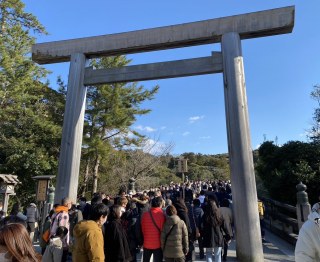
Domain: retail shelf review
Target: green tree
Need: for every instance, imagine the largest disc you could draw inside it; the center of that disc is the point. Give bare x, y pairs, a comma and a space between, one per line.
30, 112
111, 111
314, 133
281, 168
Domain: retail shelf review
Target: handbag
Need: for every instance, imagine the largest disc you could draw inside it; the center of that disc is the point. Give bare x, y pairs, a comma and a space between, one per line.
197, 232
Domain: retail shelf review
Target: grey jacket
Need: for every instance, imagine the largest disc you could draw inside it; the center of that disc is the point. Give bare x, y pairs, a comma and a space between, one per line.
177, 244
32, 214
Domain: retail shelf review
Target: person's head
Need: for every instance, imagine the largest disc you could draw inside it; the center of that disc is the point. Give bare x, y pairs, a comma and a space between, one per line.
100, 213
122, 201
196, 202
50, 214
115, 212
96, 200
66, 201
171, 210
103, 195
106, 201
157, 193
61, 232
225, 203
122, 192
82, 200
55, 206
16, 239
212, 214
180, 205
156, 202
33, 205
15, 209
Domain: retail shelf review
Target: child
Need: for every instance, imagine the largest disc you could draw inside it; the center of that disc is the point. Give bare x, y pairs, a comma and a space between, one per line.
54, 250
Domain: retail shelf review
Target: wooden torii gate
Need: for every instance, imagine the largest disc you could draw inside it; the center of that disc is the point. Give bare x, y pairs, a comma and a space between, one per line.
227, 30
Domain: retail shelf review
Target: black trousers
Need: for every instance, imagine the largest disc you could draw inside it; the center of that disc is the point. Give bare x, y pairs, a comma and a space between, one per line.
157, 254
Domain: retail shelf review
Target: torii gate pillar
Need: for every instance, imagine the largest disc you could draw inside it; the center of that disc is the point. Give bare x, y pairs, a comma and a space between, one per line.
72, 131
244, 194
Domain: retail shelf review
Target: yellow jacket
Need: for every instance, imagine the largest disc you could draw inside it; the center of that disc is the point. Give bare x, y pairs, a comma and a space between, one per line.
88, 242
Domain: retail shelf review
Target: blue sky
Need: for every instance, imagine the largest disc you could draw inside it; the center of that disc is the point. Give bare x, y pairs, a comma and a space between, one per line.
280, 70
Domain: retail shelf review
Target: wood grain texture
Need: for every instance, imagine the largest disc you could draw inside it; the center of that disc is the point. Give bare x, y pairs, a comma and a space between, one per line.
179, 68
251, 25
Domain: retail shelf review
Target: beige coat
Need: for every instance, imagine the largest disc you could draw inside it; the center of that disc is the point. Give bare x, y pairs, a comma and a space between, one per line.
177, 244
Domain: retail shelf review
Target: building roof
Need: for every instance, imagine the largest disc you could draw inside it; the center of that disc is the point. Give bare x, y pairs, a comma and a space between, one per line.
9, 179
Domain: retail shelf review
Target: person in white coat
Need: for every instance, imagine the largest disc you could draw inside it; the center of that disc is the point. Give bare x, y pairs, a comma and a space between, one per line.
308, 244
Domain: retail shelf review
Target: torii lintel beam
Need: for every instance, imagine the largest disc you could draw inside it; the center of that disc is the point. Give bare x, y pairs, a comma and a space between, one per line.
251, 25
188, 67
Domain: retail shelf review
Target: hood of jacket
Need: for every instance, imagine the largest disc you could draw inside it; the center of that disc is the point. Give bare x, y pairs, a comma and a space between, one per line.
84, 226
174, 219
314, 217
61, 208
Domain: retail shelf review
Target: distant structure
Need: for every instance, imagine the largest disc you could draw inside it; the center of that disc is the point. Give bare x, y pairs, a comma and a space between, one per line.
229, 31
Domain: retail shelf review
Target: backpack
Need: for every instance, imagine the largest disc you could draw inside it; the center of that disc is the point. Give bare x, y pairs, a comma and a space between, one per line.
46, 235
54, 224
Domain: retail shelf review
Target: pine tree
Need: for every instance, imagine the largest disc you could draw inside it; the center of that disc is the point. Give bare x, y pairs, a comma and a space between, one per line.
30, 112
111, 111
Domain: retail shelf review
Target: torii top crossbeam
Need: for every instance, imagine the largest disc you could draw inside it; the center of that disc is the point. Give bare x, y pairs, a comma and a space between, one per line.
251, 25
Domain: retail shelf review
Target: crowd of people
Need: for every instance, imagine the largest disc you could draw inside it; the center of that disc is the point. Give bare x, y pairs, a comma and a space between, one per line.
162, 222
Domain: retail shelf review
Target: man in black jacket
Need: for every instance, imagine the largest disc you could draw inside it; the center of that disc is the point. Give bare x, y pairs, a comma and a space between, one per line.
198, 213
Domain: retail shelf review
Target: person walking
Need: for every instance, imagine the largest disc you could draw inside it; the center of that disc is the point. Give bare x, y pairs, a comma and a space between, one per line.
43, 241
88, 244
61, 218
115, 238
15, 211
151, 225
182, 212
32, 219
212, 228
308, 243
174, 237
54, 250
197, 214
227, 216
